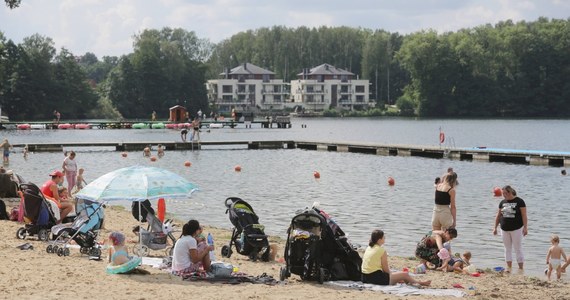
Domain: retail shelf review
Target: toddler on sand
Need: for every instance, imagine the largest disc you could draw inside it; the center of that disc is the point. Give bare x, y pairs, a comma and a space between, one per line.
555, 252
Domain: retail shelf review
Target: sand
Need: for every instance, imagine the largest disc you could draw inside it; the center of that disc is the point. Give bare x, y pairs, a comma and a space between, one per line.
35, 274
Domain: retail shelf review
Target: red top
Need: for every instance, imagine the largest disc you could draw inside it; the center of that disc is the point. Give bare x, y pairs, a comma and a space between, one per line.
46, 188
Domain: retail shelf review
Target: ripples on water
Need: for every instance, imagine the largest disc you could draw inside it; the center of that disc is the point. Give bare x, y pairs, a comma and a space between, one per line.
353, 187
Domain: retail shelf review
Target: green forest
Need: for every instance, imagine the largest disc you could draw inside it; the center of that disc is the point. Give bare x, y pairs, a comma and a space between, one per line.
503, 70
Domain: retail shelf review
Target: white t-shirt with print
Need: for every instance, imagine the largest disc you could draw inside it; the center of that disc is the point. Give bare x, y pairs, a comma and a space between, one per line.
181, 253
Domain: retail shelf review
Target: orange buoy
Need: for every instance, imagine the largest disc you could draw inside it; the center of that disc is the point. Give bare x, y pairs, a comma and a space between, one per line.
161, 209
317, 174
124, 154
237, 168
497, 192
153, 158
187, 164
391, 181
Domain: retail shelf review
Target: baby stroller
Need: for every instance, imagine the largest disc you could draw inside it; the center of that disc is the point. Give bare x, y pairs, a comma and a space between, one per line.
339, 256
156, 235
84, 231
303, 249
40, 214
248, 235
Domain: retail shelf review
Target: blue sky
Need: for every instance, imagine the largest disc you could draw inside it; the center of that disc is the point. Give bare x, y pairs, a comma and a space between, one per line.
106, 27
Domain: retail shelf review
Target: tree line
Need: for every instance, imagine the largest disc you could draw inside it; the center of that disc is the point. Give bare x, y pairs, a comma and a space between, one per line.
508, 69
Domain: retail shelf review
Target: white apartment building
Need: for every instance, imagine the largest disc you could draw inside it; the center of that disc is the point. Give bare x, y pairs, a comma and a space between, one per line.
325, 87
247, 87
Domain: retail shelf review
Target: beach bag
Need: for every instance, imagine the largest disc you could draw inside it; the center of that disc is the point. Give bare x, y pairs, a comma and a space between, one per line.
221, 270
14, 213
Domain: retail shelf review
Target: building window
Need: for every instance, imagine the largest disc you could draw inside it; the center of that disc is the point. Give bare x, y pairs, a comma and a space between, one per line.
227, 89
310, 89
277, 98
276, 88
265, 77
241, 98
241, 88
344, 88
359, 89
227, 98
343, 78
252, 88
359, 98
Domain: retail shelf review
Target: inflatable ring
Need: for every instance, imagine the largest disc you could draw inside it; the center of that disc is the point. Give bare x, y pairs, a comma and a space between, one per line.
130, 265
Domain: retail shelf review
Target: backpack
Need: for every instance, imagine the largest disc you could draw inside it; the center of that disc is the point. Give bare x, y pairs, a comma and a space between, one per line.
14, 213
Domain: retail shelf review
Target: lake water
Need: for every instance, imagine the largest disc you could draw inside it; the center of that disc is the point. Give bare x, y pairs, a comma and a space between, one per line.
353, 187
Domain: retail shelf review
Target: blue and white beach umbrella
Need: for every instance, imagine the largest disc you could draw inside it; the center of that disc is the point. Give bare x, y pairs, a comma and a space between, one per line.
137, 183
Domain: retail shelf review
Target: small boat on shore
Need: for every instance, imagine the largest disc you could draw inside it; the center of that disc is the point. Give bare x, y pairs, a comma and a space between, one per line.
216, 125
38, 126
157, 126
65, 126
23, 126
82, 126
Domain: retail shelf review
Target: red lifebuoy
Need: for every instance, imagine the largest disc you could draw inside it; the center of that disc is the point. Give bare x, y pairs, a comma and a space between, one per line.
441, 137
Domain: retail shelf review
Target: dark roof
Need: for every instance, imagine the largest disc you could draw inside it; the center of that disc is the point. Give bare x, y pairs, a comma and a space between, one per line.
326, 69
247, 69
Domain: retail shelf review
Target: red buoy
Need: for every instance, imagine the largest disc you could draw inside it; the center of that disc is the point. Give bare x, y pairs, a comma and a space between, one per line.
317, 174
237, 168
187, 164
153, 158
124, 154
391, 181
497, 192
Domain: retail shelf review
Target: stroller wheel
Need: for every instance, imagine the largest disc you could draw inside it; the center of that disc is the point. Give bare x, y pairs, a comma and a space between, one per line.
141, 250
21, 233
60, 252
253, 256
283, 273
226, 251
84, 250
49, 249
66, 252
55, 249
94, 252
43, 235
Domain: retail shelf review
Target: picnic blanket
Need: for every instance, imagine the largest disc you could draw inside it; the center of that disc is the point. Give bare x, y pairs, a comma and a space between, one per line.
398, 289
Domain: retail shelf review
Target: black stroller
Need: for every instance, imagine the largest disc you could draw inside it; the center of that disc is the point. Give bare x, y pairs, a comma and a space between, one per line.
339, 256
248, 235
303, 249
39, 213
156, 235
84, 231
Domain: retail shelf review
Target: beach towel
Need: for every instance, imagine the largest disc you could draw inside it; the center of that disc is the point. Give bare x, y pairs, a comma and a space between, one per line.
398, 289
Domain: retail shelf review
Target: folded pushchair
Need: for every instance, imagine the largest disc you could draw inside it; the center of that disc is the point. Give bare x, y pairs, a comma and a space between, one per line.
304, 247
40, 214
339, 256
84, 231
248, 235
156, 235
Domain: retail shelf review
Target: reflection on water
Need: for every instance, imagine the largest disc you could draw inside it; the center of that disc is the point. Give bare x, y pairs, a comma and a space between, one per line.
353, 189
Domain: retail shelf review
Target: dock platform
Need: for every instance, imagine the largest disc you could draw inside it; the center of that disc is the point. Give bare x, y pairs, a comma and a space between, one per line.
529, 157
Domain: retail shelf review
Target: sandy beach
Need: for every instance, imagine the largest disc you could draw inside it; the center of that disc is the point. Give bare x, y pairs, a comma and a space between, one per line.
35, 274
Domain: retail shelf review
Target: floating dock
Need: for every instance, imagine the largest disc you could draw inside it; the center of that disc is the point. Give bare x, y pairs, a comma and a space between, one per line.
529, 157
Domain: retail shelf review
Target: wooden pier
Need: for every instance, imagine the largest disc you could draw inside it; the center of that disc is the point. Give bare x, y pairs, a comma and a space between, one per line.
277, 122
529, 157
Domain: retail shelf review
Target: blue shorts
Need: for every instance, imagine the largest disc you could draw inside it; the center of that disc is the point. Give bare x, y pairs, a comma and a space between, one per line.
6, 153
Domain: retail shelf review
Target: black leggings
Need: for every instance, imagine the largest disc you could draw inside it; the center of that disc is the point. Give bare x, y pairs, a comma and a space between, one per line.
379, 277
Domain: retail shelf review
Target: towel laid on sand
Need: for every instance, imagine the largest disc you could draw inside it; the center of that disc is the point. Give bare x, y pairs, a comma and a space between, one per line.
398, 289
